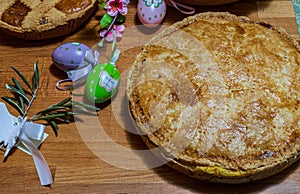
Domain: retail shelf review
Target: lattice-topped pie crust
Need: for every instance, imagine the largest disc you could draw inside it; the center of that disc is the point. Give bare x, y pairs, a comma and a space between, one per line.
41, 19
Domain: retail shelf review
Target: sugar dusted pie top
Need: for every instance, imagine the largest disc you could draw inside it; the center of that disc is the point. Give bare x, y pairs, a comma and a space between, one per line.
220, 95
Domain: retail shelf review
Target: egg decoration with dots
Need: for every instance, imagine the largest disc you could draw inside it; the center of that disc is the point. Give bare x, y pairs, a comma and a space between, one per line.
79, 61
102, 82
70, 55
151, 12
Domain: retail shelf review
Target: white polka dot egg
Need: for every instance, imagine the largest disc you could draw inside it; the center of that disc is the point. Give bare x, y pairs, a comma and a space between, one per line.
151, 12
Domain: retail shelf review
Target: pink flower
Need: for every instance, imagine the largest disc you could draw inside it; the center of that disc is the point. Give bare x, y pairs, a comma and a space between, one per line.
117, 6
109, 37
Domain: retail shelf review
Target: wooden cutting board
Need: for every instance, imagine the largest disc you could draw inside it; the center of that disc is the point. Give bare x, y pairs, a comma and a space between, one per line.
76, 168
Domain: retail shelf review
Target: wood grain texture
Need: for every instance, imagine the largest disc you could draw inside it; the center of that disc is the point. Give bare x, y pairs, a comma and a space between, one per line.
272, 9
75, 168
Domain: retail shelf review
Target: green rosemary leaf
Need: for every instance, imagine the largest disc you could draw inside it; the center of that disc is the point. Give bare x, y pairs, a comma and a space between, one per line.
69, 104
52, 108
58, 106
10, 87
63, 120
53, 116
86, 105
64, 101
23, 78
76, 94
36, 76
15, 104
21, 103
53, 125
18, 85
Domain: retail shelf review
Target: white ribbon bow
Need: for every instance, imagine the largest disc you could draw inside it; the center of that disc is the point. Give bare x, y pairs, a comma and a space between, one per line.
12, 128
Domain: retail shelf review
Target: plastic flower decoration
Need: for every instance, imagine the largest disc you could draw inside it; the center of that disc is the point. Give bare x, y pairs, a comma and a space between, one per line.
114, 17
118, 30
114, 7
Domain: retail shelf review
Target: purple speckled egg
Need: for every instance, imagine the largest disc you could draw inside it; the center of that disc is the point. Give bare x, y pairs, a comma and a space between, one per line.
151, 12
69, 55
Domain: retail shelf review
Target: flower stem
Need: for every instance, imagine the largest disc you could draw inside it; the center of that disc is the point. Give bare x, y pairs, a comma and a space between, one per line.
110, 26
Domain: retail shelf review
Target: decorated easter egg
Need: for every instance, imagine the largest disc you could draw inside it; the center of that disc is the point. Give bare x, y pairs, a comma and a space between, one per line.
102, 83
151, 12
70, 55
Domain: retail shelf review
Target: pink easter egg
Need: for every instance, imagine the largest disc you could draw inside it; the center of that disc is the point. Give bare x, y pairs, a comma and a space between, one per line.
151, 12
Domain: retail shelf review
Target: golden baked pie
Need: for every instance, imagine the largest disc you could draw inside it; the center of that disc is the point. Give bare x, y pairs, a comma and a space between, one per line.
219, 95
41, 19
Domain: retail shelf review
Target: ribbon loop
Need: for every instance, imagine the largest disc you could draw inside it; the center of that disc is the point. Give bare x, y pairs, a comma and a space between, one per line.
39, 161
179, 6
77, 74
34, 131
63, 87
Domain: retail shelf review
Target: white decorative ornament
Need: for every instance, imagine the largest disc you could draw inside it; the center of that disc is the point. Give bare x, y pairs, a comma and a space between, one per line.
107, 82
29, 135
10, 129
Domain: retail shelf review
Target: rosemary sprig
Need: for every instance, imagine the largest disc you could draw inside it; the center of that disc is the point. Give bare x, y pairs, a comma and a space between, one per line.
61, 112
19, 91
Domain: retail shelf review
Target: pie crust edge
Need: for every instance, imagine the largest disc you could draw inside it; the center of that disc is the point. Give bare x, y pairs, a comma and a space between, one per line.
211, 173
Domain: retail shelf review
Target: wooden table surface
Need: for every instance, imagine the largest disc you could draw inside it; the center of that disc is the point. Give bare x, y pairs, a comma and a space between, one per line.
78, 169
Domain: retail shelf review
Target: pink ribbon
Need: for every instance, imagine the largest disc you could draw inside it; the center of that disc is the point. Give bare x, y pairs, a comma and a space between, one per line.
179, 6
